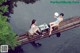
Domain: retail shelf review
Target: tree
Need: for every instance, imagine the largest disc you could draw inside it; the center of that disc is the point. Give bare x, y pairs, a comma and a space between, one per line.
7, 36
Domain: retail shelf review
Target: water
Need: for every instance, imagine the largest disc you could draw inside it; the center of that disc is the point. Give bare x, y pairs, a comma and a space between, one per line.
43, 12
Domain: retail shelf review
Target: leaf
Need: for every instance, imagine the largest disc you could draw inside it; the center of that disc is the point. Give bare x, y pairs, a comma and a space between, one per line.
7, 36
4, 8
1, 1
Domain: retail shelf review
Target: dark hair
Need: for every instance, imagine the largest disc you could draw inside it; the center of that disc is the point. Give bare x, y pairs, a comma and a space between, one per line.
33, 21
62, 14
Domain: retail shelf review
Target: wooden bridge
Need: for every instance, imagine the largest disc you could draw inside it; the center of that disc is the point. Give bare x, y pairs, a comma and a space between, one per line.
67, 24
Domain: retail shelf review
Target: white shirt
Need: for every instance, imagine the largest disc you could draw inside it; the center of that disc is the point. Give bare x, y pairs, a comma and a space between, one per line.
57, 21
33, 29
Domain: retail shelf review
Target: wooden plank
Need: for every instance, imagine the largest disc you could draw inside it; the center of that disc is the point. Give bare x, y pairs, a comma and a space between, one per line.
65, 25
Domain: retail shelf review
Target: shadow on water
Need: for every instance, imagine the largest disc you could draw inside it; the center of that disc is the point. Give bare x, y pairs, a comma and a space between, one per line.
36, 45
18, 49
58, 34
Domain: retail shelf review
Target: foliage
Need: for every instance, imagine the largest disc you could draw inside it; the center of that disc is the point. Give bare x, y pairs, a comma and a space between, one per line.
1, 1
7, 36
4, 8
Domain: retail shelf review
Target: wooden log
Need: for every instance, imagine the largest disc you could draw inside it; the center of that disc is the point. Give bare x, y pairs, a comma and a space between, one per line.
67, 24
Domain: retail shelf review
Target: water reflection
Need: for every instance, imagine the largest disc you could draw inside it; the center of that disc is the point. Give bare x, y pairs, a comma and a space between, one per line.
58, 34
36, 45
18, 49
26, 1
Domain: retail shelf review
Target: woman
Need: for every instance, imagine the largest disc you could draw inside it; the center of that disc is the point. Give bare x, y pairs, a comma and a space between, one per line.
33, 28
56, 23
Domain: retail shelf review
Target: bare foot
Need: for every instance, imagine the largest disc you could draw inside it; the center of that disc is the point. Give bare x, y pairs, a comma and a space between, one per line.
50, 33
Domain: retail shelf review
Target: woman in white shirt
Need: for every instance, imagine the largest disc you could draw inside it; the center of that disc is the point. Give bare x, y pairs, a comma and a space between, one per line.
56, 23
33, 28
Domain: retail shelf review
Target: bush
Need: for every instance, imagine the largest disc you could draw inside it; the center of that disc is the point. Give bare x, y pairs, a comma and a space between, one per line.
4, 8
1, 1
7, 36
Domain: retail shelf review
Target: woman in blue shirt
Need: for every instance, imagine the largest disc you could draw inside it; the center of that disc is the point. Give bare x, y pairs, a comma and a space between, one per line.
56, 23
